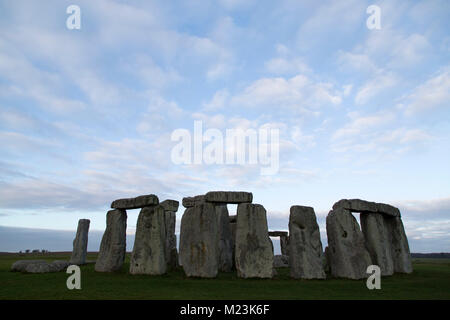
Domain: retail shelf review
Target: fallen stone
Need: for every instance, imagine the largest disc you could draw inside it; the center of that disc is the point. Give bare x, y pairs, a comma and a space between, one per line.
305, 247
225, 239
348, 256
61, 265
378, 242
280, 261
254, 255
199, 241
80, 243
233, 197
112, 248
148, 256
21, 265
189, 202
135, 203
399, 245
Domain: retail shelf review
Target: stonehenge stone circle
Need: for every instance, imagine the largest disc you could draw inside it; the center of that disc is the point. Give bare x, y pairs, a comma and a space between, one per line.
135, 203
305, 246
170, 208
112, 248
232, 197
149, 251
378, 243
348, 255
254, 256
225, 239
199, 241
80, 243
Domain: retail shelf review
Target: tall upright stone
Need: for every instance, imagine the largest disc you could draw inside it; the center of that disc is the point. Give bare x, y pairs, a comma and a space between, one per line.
233, 225
170, 208
254, 256
199, 241
348, 255
378, 243
225, 239
305, 247
399, 245
148, 256
80, 243
113, 246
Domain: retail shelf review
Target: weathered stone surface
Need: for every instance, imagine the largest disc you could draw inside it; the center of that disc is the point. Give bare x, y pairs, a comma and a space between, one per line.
80, 243
199, 241
378, 242
234, 197
280, 261
225, 239
148, 256
305, 247
21, 265
363, 206
233, 226
112, 248
254, 255
399, 245
171, 239
170, 205
39, 266
348, 256
135, 203
189, 202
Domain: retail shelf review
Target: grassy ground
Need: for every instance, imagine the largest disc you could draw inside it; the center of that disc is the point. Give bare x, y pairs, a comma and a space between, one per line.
430, 280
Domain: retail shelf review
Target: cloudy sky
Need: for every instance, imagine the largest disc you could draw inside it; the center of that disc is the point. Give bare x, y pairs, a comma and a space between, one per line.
86, 116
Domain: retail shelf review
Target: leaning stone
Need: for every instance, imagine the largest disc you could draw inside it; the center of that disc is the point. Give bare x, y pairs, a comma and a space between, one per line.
254, 255
80, 243
189, 202
21, 265
399, 245
305, 247
348, 255
280, 261
225, 239
112, 248
199, 241
234, 197
377, 240
135, 203
148, 256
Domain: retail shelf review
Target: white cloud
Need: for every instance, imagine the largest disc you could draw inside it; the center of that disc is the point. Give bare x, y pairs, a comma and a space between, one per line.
218, 101
375, 86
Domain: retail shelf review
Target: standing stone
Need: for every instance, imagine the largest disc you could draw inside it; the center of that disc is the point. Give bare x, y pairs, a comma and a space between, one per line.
284, 245
80, 243
399, 245
348, 255
170, 208
148, 256
378, 241
254, 256
225, 239
233, 225
199, 241
306, 256
112, 248
326, 259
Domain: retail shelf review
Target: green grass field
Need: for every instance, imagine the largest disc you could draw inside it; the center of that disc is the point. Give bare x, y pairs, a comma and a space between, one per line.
430, 280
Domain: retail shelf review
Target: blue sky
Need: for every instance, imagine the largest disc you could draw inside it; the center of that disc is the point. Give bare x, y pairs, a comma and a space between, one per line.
86, 116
